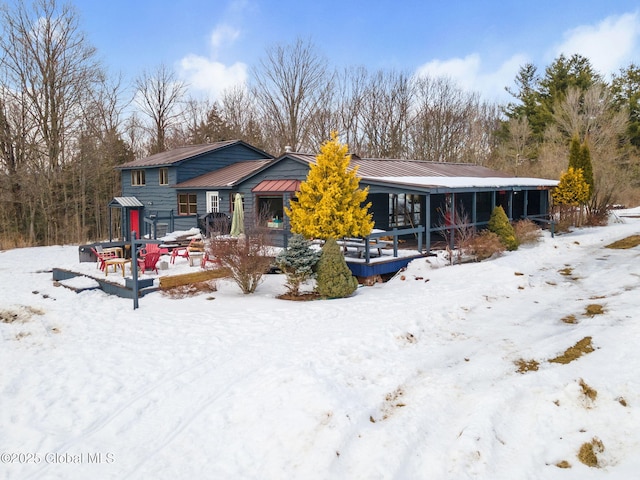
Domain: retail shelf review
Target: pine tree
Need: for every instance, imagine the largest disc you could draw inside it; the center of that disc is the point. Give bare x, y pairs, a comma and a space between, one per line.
334, 280
580, 159
330, 203
587, 167
574, 152
297, 262
572, 190
500, 225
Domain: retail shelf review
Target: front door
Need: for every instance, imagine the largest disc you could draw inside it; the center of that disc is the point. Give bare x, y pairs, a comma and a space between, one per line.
134, 223
213, 202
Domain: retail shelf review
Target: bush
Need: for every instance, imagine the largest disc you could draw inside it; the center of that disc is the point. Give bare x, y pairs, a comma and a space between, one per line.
526, 232
247, 259
297, 262
485, 245
334, 278
499, 224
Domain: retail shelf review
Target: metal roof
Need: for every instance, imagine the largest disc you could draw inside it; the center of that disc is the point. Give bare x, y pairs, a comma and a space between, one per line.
375, 167
125, 202
182, 153
227, 176
277, 186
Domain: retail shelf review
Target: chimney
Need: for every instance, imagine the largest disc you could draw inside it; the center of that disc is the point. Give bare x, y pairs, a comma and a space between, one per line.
287, 149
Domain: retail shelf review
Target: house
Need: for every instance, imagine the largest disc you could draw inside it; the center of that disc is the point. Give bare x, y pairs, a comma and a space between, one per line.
410, 198
171, 190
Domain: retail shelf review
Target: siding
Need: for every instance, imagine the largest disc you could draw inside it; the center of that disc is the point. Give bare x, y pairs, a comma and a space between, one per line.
284, 169
189, 169
163, 198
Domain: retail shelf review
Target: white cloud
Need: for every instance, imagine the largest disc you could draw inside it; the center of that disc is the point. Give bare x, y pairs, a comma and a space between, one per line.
208, 75
470, 75
211, 77
223, 35
610, 45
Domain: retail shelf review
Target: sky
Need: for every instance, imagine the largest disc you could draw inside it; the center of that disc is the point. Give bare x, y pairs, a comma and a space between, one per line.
481, 45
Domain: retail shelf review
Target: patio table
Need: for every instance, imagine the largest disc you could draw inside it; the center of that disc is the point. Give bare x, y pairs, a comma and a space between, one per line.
122, 262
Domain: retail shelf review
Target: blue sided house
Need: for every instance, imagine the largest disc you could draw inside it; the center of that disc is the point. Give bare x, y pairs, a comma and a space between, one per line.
413, 200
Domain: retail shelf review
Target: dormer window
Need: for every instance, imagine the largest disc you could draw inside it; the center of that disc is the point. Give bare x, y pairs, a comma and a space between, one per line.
137, 178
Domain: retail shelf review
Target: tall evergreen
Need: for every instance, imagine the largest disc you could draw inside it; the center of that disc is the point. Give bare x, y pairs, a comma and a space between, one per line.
587, 167
580, 159
330, 203
574, 152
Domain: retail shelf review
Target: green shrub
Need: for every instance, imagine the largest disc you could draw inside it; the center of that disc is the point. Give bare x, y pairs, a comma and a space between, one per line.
297, 262
499, 224
334, 279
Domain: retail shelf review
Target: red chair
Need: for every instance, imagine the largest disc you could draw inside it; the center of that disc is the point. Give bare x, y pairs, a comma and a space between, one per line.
207, 259
179, 252
149, 262
153, 247
101, 256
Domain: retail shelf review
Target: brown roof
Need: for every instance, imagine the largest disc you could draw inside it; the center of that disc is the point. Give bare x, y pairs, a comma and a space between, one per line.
227, 176
277, 186
179, 154
374, 167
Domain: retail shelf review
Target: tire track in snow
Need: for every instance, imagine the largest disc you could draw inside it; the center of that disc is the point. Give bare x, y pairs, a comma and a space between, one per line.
173, 381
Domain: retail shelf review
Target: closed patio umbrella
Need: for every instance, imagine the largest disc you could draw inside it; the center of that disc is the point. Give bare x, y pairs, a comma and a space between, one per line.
237, 221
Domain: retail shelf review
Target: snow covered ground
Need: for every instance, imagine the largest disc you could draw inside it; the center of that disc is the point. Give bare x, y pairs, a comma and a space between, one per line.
411, 379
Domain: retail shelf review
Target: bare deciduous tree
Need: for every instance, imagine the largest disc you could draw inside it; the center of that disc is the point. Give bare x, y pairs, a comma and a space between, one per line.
159, 94
289, 87
240, 113
449, 124
48, 68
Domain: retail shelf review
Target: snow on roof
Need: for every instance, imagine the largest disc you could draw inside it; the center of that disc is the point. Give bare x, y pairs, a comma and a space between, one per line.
466, 182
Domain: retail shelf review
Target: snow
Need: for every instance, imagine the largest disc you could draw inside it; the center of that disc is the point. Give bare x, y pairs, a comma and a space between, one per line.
410, 379
468, 182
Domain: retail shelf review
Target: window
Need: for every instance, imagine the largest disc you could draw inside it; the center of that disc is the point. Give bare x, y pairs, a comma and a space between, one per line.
187, 204
404, 210
163, 176
137, 178
232, 201
271, 209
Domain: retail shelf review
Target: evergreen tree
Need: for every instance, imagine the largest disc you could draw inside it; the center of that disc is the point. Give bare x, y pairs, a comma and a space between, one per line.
500, 225
625, 87
580, 159
572, 190
330, 203
334, 277
574, 152
297, 262
587, 167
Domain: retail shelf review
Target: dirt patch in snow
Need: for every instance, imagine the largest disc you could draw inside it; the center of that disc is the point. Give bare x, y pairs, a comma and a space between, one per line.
18, 314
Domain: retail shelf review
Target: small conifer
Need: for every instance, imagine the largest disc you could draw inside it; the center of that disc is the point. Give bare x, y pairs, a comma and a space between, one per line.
334, 279
297, 262
500, 225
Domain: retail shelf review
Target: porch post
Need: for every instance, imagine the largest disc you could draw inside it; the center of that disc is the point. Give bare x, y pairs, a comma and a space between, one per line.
510, 205
427, 222
474, 208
